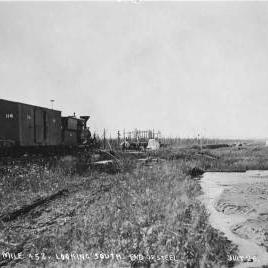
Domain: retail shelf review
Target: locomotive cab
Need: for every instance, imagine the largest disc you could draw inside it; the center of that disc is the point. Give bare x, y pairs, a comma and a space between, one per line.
83, 131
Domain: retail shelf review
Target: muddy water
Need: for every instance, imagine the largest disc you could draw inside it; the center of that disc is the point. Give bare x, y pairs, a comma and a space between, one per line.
213, 184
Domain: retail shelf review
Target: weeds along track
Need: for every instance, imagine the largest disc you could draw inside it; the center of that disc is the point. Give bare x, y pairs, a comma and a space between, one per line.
24, 225
41, 203
151, 206
27, 208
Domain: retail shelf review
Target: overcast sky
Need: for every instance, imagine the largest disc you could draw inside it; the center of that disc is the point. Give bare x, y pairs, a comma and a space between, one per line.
182, 68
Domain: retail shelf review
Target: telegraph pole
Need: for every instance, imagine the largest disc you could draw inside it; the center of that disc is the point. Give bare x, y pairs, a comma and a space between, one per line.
118, 138
104, 139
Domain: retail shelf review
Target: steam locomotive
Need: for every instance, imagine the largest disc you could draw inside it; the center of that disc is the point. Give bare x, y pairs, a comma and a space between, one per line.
28, 126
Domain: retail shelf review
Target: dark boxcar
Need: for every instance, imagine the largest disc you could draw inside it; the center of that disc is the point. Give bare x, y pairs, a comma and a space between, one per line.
69, 130
69, 137
29, 125
26, 124
9, 121
54, 127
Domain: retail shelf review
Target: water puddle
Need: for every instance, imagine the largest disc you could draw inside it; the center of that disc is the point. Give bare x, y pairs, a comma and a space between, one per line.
213, 184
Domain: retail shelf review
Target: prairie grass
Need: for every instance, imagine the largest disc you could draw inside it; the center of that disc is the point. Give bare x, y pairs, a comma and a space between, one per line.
149, 208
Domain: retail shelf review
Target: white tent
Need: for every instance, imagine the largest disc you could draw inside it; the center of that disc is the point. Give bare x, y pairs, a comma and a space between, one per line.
125, 144
153, 144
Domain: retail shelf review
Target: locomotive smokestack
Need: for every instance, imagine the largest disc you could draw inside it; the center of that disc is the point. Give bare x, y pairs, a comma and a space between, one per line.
85, 118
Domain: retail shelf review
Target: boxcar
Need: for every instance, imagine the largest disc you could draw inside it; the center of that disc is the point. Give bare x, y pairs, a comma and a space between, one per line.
70, 126
69, 137
29, 125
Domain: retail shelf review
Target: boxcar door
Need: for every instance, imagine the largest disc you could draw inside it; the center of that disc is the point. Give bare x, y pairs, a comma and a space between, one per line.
44, 113
38, 127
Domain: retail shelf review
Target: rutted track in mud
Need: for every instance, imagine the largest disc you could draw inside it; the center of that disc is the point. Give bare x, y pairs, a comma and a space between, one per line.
27, 208
47, 213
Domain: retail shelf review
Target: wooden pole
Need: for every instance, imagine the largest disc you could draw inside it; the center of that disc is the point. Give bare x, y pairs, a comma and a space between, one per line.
104, 139
118, 138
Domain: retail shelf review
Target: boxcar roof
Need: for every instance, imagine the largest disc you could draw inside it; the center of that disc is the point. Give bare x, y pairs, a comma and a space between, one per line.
31, 105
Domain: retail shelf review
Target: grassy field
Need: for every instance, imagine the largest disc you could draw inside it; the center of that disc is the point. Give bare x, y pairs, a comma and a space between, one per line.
149, 214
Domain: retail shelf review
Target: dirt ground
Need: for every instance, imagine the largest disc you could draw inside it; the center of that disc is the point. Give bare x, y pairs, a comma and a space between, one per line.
251, 201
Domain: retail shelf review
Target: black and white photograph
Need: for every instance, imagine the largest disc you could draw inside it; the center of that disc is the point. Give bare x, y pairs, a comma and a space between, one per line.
134, 134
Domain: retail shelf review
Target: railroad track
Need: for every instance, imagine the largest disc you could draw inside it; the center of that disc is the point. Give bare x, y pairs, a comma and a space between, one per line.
41, 212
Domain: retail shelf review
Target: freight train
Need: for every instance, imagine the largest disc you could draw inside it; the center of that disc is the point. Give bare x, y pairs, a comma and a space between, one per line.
28, 126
